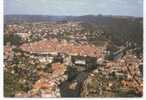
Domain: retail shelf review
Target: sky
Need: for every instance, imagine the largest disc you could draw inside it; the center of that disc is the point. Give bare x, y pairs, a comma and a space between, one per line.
74, 7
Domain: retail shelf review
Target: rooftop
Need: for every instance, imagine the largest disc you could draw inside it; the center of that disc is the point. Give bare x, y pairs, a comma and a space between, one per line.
62, 47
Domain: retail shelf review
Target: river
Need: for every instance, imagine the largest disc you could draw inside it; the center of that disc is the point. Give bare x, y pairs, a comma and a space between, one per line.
67, 92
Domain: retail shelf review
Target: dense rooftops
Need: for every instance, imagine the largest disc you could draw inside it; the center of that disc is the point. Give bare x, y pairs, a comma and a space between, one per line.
54, 46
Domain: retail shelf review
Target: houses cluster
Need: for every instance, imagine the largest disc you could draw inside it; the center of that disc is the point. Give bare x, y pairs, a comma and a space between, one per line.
122, 77
44, 29
44, 63
8, 53
42, 73
49, 51
127, 71
54, 46
48, 60
47, 85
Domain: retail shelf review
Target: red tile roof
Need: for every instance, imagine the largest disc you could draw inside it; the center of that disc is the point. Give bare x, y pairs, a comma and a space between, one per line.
56, 46
56, 66
7, 51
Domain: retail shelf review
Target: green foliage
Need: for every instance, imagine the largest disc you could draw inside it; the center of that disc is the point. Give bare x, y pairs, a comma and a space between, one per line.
48, 68
17, 50
125, 93
117, 29
11, 85
109, 56
33, 38
66, 33
13, 39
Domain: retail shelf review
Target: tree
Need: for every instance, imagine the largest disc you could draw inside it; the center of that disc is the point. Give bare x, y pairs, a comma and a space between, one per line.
14, 39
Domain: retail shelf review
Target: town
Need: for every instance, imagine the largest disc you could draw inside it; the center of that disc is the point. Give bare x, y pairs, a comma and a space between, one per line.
66, 59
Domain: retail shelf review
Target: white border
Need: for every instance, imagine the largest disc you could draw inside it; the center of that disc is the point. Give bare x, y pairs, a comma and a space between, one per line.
1, 49
144, 45
1, 64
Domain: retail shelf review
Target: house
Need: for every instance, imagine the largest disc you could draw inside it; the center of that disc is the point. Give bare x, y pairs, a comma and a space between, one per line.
24, 36
46, 59
54, 47
84, 62
8, 53
59, 58
78, 60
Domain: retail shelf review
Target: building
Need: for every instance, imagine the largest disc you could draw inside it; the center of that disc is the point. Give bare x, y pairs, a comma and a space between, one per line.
54, 46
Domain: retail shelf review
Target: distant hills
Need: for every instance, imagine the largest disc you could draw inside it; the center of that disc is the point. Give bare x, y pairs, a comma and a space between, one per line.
46, 18
31, 18
120, 28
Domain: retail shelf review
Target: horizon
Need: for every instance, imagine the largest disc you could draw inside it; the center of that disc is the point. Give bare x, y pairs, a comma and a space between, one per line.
132, 8
72, 15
